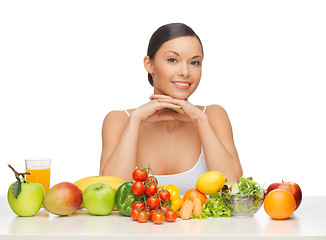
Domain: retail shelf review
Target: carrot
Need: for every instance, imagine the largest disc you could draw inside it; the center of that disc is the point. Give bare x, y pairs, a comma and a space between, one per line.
186, 210
197, 207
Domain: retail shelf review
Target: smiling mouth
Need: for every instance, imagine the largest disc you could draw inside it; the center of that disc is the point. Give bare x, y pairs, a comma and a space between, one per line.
181, 84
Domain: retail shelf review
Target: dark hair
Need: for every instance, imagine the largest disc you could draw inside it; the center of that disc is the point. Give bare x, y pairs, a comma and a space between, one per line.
164, 34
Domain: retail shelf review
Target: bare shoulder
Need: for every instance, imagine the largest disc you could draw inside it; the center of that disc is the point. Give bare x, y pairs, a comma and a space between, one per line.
218, 117
215, 110
115, 119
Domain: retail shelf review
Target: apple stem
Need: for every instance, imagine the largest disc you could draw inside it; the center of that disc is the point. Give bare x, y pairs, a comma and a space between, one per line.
17, 174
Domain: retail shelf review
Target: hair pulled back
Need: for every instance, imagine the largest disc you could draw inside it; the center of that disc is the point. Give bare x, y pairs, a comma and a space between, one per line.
164, 34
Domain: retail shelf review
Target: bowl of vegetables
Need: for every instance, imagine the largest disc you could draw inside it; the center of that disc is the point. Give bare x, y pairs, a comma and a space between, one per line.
243, 199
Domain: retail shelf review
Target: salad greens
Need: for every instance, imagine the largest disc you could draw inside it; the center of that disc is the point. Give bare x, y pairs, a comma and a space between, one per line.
245, 186
215, 207
243, 197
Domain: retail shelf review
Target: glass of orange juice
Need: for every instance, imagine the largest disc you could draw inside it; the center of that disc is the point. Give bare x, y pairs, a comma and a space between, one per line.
39, 169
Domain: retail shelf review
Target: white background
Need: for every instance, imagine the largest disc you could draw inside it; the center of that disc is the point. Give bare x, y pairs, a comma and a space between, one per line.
65, 64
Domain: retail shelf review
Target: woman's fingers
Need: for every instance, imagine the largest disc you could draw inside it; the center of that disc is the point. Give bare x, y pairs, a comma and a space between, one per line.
191, 111
163, 105
168, 99
158, 110
171, 100
158, 96
185, 110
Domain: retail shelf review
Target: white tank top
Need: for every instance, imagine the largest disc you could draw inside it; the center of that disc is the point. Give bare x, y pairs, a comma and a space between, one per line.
185, 180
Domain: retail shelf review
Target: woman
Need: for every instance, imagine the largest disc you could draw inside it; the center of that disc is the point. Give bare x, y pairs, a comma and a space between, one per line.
179, 140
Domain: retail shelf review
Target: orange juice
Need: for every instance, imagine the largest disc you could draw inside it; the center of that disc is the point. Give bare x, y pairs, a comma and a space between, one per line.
41, 176
40, 171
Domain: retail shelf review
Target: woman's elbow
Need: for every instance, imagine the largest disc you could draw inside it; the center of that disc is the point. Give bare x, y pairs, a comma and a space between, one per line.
235, 174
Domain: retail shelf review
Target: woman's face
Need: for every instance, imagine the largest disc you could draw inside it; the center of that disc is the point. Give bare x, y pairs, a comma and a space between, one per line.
176, 67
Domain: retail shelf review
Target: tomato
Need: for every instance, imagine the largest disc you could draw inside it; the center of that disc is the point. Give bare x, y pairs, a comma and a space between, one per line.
157, 218
151, 214
139, 175
153, 202
162, 208
138, 188
134, 214
138, 205
154, 211
165, 195
151, 179
142, 217
170, 215
151, 190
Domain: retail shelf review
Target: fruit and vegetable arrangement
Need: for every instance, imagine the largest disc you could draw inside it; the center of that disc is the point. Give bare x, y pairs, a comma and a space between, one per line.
144, 200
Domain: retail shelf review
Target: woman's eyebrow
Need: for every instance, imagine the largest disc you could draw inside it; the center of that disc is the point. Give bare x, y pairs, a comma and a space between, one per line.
198, 56
172, 52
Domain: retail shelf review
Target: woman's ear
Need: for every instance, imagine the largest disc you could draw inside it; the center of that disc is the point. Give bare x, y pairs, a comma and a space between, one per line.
148, 64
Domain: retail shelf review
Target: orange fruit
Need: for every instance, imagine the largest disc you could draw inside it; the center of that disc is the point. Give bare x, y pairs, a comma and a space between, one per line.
191, 194
279, 204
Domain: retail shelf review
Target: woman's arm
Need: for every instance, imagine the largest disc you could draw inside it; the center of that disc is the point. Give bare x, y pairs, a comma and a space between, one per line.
217, 140
120, 137
215, 134
119, 145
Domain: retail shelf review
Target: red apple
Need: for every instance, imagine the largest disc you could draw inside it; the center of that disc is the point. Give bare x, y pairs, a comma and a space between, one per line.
291, 187
63, 199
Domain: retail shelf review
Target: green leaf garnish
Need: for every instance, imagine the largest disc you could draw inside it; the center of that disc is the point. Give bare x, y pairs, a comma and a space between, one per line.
16, 189
214, 207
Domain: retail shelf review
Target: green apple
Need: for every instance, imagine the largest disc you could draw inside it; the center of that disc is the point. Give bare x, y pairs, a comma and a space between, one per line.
99, 199
25, 200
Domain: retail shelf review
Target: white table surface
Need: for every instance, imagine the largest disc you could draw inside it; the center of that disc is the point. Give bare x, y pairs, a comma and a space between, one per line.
308, 222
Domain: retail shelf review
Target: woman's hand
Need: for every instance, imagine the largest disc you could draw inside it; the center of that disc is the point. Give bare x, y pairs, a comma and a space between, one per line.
189, 111
156, 110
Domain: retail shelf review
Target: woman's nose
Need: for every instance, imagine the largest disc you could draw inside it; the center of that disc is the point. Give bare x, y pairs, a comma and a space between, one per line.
184, 70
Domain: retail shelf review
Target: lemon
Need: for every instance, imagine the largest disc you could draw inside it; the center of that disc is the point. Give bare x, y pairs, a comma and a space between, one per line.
210, 182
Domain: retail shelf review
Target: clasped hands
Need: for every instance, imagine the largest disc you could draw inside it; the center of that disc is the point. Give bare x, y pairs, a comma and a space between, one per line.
162, 107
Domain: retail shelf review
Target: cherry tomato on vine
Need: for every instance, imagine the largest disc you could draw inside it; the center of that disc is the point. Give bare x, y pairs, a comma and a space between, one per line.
138, 205
165, 195
152, 212
151, 179
153, 202
139, 175
134, 214
162, 208
151, 190
170, 215
138, 188
157, 218
142, 217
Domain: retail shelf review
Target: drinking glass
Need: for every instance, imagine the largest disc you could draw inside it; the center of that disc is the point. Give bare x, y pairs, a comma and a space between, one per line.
39, 169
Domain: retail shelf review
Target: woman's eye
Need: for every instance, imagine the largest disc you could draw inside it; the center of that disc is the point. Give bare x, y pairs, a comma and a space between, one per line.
172, 60
195, 63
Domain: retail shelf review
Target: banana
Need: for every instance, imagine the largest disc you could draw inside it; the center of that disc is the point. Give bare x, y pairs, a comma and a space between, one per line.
112, 181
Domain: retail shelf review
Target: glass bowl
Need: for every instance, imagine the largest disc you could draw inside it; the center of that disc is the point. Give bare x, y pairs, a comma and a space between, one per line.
243, 205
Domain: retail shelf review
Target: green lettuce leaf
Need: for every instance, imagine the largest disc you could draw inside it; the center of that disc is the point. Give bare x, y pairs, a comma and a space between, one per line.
214, 207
